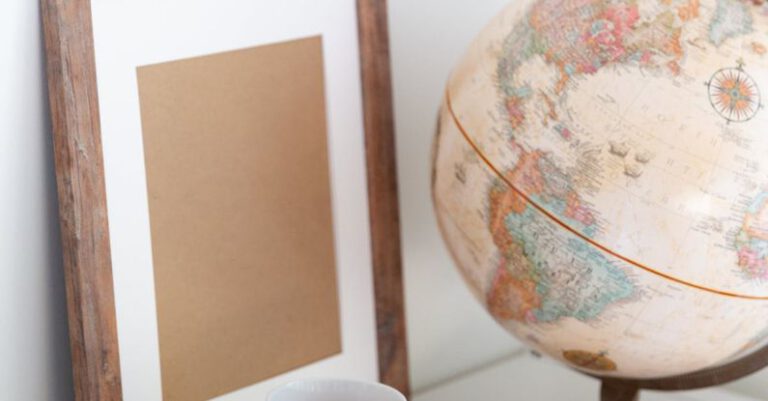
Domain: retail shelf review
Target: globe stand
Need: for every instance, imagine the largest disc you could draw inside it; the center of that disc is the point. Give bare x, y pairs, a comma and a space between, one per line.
619, 389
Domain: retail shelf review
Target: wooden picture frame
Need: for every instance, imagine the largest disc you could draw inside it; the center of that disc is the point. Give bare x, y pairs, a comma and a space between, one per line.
80, 174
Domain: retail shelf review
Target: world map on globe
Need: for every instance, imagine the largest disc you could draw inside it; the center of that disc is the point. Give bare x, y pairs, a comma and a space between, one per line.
600, 178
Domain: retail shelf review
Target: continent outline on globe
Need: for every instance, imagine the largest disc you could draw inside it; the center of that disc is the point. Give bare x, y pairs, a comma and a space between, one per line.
563, 110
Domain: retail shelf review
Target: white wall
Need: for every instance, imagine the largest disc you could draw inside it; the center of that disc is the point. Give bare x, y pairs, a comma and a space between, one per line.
34, 353
449, 333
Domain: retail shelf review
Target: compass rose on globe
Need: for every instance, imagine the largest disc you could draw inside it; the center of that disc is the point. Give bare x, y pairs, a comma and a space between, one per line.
734, 94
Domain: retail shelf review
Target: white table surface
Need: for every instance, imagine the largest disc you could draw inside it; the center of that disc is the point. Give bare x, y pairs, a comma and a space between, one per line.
528, 378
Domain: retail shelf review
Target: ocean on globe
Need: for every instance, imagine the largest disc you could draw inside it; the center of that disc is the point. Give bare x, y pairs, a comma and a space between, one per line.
601, 180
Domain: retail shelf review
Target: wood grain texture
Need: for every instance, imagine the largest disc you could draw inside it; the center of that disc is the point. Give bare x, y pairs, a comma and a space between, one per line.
383, 193
82, 199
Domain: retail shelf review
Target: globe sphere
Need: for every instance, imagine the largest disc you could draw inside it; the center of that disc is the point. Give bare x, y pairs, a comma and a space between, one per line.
600, 178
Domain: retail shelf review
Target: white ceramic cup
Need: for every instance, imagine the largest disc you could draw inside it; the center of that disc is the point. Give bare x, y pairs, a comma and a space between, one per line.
334, 390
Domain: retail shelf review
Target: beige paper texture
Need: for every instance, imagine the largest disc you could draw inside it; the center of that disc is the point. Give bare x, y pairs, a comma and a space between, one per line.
240, 212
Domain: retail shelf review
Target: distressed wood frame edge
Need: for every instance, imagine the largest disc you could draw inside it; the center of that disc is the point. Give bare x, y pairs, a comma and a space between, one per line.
82, 199
71, 72
383, 193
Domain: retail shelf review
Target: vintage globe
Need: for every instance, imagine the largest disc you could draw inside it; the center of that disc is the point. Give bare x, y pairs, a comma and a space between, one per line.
601, 179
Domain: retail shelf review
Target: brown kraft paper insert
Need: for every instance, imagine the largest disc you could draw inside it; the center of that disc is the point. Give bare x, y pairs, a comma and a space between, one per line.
240, 212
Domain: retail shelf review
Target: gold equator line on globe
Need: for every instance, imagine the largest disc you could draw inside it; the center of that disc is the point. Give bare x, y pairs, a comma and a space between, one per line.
555, 219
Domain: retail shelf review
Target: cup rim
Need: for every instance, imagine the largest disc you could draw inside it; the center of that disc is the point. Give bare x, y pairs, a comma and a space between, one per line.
379, 385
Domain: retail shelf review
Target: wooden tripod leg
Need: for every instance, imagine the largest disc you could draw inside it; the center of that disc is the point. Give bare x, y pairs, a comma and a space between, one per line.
612, 390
